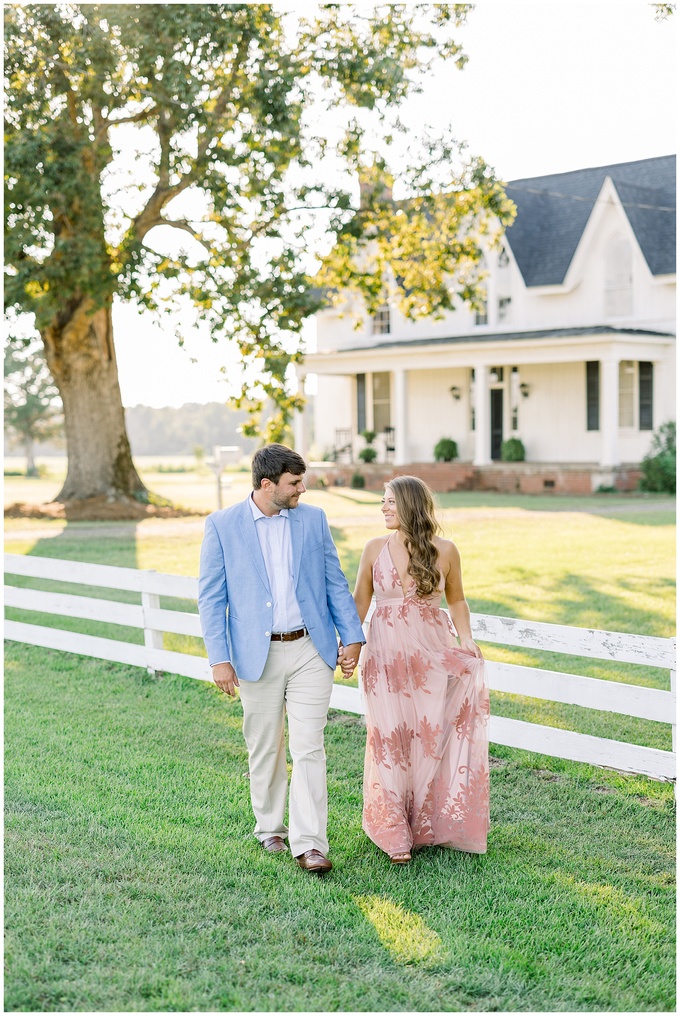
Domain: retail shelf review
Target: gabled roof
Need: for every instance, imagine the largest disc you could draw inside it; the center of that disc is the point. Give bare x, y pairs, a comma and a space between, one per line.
552, 212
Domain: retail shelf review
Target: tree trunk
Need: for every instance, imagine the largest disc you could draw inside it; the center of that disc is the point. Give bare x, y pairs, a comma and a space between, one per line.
30, 458
81, 356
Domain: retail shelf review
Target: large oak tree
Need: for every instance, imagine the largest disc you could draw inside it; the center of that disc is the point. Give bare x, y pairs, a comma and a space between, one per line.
222, 104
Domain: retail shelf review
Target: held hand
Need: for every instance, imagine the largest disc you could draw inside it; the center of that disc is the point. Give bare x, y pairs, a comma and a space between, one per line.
349, 657
470, 646
225, 678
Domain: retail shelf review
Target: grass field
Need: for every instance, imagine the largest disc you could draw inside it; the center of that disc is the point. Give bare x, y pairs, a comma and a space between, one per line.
133, 881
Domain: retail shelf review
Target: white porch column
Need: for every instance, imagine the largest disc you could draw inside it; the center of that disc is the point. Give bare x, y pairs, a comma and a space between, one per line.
609, 413
482, 416
400, 423
300, 423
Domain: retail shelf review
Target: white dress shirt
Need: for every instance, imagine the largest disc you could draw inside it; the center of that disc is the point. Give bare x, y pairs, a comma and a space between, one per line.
273, 532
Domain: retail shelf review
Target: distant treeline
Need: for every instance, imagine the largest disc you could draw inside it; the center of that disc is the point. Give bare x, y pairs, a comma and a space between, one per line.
170, 431
180, 431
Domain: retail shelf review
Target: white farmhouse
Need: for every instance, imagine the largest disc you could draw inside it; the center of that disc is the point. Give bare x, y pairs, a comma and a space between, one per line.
574, 353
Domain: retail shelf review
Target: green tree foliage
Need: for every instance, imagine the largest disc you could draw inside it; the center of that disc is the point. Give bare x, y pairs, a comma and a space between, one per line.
221, 124
659, 464
32, 405
663, 11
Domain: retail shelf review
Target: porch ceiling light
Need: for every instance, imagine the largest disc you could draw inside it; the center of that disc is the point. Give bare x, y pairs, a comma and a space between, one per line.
524, 390
455, 392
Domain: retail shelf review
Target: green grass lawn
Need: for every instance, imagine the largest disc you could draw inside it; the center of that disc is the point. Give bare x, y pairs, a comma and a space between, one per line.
134, 883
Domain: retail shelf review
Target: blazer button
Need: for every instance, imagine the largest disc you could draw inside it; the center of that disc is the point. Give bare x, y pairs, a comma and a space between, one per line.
269, 604
267, 633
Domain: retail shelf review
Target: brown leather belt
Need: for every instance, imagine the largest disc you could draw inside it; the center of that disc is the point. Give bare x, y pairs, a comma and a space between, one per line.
289, 636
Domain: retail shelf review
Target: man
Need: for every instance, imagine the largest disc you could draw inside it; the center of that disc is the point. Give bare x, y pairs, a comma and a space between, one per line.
271, 595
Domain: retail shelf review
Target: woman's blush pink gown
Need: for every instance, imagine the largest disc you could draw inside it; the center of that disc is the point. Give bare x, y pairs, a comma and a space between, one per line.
426, 770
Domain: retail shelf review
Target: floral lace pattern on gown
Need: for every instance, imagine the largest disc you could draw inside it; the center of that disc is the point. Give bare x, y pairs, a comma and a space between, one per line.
426, 770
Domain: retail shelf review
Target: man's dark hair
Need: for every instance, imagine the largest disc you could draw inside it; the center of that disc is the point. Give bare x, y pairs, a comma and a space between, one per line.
270, 462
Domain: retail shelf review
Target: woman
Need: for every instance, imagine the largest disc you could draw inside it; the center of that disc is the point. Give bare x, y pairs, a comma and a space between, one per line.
426, 771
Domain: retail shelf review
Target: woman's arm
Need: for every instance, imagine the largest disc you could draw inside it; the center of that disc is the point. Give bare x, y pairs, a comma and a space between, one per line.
363, 594
363, 590
456, 602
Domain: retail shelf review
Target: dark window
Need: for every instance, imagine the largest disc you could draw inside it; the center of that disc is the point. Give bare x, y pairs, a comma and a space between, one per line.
361, 403
496, 423
593, 394
472, 398
646, 395
381, 322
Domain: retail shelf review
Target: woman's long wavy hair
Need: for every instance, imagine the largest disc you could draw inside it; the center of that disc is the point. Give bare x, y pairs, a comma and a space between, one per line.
415, 508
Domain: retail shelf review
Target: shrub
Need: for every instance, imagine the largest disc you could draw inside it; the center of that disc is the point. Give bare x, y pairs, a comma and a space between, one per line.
357, 481
368, 436
368, 454
658, 465
445, 450
512, 450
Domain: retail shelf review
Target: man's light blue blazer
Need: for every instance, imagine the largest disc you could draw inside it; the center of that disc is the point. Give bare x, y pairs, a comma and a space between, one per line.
236, 604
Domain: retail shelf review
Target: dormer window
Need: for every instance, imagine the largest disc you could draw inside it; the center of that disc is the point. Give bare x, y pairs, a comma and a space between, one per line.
503, 259
380, 324
482, 314
504, 308
619, 278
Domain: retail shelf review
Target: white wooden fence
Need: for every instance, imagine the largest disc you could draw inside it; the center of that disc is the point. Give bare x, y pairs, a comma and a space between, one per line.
609, 696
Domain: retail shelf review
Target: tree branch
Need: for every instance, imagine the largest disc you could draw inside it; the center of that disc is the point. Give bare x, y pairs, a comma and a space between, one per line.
106, 121
164, 192
186, 226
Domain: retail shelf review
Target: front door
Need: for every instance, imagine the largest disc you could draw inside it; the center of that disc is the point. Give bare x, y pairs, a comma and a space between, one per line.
496, 423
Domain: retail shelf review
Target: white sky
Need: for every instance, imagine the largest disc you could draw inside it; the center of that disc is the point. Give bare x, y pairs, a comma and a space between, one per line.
548, 87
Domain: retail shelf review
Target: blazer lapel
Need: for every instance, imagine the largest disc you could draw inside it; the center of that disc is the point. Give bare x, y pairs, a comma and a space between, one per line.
251, 541
296, 541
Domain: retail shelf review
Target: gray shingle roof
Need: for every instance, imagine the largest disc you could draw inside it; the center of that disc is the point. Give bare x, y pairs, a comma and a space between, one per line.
552, 212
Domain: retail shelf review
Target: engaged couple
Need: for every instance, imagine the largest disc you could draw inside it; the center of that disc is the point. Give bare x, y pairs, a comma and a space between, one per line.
272, 596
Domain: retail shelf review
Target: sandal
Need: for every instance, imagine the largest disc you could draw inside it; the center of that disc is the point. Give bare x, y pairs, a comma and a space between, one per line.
402, 858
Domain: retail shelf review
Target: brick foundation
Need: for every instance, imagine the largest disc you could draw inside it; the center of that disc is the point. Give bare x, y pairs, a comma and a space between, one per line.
505, 477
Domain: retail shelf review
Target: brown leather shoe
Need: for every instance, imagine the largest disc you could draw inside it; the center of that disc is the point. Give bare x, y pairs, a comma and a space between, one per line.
313, 860
274, 844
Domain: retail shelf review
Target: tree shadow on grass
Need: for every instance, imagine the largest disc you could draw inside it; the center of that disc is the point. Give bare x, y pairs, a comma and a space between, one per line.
103, 543
577, 601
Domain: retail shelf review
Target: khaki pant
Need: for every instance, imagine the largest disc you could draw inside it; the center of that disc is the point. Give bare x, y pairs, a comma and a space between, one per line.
296, 682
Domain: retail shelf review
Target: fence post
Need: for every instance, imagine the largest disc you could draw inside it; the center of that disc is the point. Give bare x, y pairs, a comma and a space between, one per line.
153, 638
673, 724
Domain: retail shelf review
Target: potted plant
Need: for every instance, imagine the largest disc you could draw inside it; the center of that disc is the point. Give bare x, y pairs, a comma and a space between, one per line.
445, 450
368, 454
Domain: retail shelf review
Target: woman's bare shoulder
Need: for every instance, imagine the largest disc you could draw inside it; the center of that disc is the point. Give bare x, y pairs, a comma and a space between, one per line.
374, 546
446, 550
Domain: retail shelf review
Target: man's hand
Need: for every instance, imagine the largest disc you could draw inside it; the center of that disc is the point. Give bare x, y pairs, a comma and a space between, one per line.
348, 657
225, 678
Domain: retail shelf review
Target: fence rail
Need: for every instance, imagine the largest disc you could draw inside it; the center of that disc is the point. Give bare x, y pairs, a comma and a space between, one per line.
153, 620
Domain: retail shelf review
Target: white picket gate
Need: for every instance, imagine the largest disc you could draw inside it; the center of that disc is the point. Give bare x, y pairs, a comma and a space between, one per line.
609, 696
